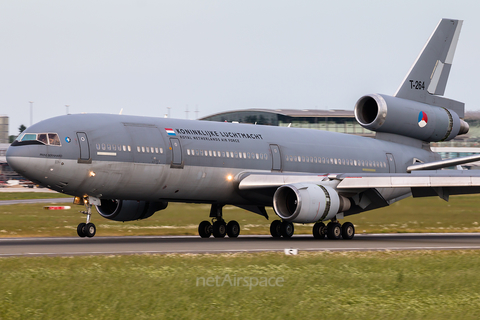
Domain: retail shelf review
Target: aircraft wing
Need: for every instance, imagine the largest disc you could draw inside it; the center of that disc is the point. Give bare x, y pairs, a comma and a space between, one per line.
425, 183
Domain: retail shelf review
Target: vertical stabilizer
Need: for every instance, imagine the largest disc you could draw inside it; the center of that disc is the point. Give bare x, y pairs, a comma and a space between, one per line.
427, 79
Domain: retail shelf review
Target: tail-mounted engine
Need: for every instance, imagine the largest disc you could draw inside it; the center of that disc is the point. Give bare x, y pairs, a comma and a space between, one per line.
128, 210
305, 203
382, 113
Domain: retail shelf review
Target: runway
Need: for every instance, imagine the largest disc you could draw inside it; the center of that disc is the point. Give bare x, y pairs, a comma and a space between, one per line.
193, 244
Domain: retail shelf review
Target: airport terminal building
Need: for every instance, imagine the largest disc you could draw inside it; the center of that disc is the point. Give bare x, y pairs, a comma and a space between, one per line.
330, 120
343, 121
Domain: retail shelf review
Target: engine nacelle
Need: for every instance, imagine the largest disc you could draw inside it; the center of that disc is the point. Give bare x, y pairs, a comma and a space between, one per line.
382, 113
128, 210
305, 203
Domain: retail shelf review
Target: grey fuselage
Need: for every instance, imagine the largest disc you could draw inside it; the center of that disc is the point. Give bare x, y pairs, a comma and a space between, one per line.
152, 159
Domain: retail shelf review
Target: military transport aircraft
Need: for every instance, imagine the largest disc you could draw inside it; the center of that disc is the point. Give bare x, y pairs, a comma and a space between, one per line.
129, 167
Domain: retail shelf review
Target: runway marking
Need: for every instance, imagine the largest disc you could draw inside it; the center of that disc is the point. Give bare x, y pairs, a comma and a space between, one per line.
65, 246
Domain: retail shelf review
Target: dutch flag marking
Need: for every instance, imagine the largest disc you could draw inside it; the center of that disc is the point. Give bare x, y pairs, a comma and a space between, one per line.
170, 132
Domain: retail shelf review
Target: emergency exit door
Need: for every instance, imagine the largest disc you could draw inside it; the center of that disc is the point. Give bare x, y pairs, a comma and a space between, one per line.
391, 163
276, 157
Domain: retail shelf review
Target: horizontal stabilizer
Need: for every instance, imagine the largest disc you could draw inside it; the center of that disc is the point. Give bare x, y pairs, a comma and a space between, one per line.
443, 163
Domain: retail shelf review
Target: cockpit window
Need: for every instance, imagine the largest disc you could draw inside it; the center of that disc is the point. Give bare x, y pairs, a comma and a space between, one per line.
29, 136
53, 139
44, 138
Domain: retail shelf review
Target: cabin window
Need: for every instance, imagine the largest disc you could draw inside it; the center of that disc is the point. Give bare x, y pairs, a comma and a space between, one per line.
109, 147
138, 149
104, 146
97, 146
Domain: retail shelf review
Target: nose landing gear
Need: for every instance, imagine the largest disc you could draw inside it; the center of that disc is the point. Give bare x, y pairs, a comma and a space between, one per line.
87, 229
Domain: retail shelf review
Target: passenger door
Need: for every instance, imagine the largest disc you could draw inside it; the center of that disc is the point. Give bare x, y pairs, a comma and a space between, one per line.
176, 152
84, 148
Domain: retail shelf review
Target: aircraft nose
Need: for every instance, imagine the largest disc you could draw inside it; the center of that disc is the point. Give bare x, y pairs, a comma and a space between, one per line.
18, 158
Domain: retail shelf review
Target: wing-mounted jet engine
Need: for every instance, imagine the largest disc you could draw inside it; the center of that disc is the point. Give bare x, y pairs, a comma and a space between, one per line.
307, 202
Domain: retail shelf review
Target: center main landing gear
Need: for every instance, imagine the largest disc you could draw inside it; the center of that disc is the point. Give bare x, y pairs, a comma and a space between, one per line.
219, 228
281, 229
334, 230
86, 229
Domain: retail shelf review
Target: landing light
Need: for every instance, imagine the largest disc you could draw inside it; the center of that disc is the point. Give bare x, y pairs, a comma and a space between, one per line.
229, 177
91, 174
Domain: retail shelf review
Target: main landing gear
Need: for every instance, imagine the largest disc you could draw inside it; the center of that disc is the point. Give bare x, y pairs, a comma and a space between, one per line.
87, 229
219, 228
333, 230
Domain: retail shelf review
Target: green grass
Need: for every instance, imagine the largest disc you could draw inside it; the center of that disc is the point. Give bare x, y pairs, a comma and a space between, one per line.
353, 285
409, 215
31, 195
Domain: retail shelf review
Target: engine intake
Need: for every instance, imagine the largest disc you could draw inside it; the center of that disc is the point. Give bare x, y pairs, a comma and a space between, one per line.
128, 210
382, 113
305, 203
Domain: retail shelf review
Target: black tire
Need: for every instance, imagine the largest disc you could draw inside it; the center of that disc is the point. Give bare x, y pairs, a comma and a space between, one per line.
90, 230
319, 230
219, 229
205, 229
275, 228
233, 229
334, 231
81, 230
287, 229
348, 231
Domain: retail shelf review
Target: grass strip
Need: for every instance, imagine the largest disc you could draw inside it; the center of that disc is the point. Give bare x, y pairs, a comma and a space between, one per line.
359, 285
409, 215
31, 195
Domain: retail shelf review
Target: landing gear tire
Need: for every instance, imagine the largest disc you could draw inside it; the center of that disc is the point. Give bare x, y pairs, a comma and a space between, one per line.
233, 229
348, 231
90, 230
87, 229
205, 229
287, 229
275, 228
319, 230
80, 230
219, 229
334, 230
